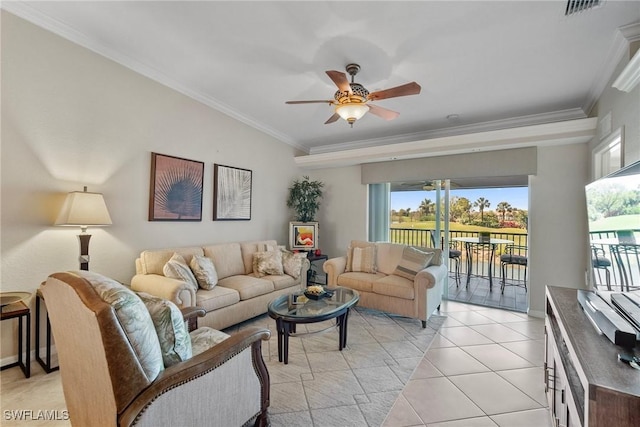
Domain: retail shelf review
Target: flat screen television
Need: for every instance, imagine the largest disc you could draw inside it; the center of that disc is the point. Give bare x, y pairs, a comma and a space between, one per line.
613, 209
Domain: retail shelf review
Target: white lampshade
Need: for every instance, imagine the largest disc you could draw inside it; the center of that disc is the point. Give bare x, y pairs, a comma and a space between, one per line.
352, 111
82, 209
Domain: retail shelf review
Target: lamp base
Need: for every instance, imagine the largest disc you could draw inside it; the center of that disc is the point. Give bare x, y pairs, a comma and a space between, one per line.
84, 251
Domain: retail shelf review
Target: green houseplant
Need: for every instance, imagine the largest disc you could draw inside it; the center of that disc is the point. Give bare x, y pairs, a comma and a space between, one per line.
304, 198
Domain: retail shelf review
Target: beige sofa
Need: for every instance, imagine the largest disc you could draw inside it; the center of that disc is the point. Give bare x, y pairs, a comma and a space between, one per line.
387, 291
239, 295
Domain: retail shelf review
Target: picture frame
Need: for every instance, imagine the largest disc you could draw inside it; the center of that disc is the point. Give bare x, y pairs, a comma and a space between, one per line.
303, 236
176, 189
231, 193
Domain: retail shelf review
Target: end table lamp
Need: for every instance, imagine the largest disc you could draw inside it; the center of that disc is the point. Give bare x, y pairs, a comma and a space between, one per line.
83, 209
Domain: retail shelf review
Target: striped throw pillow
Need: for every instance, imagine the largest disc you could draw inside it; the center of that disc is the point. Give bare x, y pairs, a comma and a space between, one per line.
364, 260
412, 261
360, 244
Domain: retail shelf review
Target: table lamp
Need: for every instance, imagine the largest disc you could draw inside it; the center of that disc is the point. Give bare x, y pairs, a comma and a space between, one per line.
83, 209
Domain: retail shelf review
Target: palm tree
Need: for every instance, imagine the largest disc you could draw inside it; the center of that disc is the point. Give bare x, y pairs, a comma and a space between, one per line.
503, 208
408, 210
481, 204
426, 207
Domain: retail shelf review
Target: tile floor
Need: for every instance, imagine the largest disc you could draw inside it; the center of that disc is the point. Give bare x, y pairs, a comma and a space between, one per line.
355, 387
483, 368
513, 298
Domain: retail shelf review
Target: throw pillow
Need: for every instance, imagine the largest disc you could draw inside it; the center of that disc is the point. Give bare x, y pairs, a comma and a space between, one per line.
134, 319
267, 263
360, 244
203, 338
177, 268
363, 259
412, 261
292, 262
175, 341
205, 271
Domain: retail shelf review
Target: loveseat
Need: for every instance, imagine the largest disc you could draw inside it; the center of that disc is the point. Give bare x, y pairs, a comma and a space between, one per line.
242, 286
391, 277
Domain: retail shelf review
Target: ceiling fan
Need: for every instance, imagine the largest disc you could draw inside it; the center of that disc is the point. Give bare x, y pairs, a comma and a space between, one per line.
352, 100
432, 185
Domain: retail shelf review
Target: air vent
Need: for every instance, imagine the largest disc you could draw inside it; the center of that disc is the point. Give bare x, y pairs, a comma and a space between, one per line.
577, 6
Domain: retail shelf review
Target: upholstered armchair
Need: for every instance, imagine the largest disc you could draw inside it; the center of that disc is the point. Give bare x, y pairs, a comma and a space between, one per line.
128, 359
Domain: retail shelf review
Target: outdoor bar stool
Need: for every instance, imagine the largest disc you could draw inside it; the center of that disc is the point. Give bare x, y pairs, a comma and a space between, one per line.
454, 254
512, 257
600, 262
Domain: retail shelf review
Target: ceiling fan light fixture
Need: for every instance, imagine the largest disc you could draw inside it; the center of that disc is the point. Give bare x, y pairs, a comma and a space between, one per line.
352, 111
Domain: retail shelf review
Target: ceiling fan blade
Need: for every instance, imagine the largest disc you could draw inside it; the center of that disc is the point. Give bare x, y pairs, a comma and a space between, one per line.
317, 101
382, 112
412, 88
332, 119
341, 80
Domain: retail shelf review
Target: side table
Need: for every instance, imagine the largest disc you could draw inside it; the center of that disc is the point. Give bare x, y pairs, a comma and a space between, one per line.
46, 365
22, 312
311, 274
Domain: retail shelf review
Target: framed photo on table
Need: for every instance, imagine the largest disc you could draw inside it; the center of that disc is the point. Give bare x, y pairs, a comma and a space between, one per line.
232, 193
303, 236
176, 189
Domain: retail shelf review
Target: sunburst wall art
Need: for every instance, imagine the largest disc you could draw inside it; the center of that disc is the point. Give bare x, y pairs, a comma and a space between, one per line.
176, 189
232, 193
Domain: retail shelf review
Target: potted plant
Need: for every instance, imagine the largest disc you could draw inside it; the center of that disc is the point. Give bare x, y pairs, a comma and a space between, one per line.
304, 198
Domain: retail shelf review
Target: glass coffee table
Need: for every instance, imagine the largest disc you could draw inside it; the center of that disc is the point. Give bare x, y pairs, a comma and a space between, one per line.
290, 310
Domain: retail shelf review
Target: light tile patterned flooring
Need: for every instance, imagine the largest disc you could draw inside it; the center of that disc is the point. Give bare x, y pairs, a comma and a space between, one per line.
483, 368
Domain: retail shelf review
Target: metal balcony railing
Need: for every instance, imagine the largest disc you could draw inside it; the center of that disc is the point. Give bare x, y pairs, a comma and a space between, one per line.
623, 257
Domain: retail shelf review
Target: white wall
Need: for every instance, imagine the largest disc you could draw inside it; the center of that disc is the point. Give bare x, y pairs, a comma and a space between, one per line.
72, 118
624, 110
343, 211
557, 222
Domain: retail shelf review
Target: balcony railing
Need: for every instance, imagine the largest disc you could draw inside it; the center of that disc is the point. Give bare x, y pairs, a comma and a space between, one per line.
623, 259
482, 253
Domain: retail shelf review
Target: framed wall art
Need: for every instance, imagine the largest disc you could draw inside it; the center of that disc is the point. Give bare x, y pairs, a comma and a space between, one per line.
176, 189
232, 193
303, 236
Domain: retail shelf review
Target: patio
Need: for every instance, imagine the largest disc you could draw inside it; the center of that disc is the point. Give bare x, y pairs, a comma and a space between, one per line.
514, 297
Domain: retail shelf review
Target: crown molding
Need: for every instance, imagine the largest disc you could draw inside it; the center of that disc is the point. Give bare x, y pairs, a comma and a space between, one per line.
630, 76
619, 48
559, 133
631, 32
42, 20
514, 122
625, 34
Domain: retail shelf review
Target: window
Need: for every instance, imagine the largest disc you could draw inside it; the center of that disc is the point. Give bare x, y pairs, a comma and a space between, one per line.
607, 156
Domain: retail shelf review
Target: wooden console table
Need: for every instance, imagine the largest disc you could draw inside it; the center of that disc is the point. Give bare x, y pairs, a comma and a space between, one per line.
586, 385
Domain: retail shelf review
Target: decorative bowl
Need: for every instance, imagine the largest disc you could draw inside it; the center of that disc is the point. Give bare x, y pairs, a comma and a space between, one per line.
315, 296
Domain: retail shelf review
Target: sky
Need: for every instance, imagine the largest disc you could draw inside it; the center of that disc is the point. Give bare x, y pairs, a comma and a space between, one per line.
517, 197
